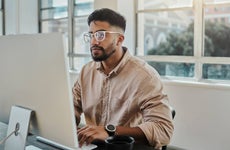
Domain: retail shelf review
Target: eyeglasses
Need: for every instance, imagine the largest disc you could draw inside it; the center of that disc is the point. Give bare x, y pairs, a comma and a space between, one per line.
99, 35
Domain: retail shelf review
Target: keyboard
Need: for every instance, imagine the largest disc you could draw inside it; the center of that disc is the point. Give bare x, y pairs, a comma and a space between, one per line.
31, 147
88, 147
84, 147
55, 144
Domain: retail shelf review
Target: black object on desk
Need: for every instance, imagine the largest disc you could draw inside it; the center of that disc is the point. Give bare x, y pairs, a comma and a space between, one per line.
101, 146
119, 142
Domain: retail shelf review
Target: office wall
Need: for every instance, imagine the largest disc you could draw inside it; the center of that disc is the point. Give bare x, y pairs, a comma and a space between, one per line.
202, 119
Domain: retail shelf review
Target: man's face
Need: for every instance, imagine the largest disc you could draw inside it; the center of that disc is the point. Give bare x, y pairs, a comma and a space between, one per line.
102, 50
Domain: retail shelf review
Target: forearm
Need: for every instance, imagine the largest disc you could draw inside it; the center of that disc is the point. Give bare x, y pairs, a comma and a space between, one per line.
134, 132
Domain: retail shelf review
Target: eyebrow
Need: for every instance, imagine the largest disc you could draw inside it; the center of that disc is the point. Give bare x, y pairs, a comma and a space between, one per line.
97, 30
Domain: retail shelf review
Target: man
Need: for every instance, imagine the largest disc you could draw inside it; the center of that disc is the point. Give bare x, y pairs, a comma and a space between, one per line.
118, 93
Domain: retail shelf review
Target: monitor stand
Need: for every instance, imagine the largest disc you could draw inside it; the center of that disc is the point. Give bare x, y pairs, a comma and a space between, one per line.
18, 128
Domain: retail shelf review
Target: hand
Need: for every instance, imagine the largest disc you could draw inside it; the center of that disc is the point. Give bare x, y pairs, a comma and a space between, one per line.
90, 133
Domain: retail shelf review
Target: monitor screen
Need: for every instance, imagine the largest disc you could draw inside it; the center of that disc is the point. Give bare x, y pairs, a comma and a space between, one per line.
34, 74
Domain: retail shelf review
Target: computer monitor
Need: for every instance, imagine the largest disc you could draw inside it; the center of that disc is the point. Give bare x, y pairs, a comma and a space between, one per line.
34, 74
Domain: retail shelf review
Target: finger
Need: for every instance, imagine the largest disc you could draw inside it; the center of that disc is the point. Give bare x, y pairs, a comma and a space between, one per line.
86, 137
91, 138
82, 129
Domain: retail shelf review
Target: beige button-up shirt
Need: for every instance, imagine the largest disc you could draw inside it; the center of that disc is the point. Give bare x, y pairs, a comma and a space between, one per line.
131, 95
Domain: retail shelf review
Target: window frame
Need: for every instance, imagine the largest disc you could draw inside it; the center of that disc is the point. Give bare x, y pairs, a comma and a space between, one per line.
198, 59
2, 10
198, 7
70, 22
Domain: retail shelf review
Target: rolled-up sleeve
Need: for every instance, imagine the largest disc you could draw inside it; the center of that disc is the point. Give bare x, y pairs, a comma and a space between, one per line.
157, 118
157, 126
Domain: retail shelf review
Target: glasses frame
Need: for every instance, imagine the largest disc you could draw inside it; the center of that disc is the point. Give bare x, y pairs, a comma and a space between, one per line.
88, 36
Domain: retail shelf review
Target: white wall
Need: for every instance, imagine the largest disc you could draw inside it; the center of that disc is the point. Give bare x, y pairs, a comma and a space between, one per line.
126, 8
202, 119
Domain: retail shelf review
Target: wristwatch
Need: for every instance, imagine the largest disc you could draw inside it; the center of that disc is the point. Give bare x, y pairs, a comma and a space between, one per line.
111, 129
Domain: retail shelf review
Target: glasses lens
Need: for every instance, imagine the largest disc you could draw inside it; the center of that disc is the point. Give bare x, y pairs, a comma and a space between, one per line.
100, 35
87, 37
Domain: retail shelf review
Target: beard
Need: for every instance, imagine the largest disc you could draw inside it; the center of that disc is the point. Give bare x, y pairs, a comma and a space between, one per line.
104, 55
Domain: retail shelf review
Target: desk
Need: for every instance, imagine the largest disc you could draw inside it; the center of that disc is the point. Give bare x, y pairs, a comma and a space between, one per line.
31, 140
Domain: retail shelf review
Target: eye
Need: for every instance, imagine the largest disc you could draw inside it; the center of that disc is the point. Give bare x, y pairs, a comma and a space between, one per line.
100, 35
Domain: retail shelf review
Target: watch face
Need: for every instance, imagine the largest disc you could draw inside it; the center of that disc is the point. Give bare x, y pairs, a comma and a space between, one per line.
111, 127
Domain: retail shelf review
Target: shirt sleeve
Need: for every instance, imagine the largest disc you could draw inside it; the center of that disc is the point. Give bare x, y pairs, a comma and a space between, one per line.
77, 101
157, 118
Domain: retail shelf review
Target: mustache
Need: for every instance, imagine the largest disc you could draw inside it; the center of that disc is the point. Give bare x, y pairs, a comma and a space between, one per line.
96, 47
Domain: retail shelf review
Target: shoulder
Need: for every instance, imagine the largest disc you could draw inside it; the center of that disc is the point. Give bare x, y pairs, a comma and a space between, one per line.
88, 68
143, 68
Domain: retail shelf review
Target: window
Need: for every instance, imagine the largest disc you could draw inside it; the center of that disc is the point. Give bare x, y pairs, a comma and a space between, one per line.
54, 17
68, 17
185, 38
80, 49
2, 17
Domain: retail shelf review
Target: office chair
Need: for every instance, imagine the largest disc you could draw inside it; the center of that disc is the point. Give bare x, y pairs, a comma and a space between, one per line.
173, 111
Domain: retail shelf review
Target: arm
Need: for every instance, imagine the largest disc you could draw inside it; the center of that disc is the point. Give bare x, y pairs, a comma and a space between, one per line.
77, 102
157, 122
135, 132
89, 134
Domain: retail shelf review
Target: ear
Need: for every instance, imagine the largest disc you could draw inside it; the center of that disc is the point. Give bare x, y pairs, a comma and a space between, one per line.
120, 39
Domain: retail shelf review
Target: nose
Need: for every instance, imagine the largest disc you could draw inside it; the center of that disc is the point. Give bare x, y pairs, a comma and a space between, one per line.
93, 41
